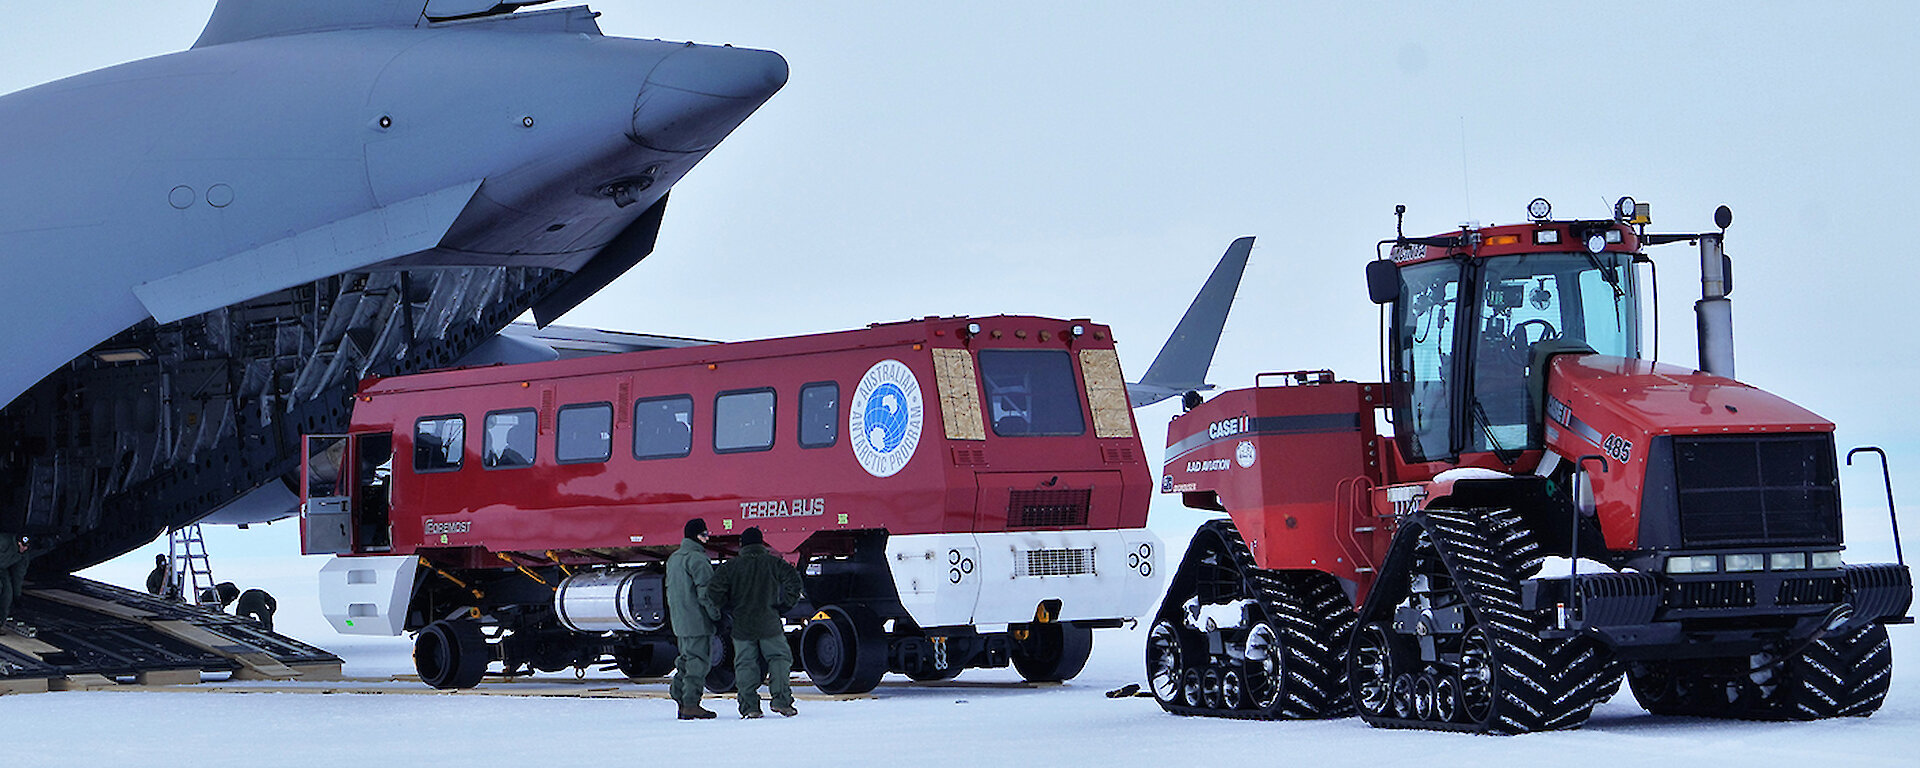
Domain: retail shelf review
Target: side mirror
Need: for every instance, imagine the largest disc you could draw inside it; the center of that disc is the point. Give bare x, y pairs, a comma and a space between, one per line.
1583, 499
1383, 281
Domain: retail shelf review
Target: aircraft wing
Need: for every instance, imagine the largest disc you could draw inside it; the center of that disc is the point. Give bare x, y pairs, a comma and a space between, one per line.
1182, 363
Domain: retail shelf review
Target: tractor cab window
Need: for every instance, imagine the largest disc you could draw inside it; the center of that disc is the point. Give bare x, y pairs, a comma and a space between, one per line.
1424, 322
1031, 393
1533, 303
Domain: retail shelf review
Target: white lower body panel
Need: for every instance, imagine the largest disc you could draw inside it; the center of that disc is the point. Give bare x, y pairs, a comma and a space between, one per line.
956, 579
367, 595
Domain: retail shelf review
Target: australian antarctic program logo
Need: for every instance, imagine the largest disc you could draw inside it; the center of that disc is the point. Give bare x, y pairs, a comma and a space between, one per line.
1243, 454
885, 418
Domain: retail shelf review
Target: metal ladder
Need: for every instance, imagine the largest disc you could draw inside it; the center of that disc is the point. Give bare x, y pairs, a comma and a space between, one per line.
192, 571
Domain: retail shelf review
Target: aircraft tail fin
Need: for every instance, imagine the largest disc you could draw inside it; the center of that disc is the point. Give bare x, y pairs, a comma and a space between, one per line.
1182, 363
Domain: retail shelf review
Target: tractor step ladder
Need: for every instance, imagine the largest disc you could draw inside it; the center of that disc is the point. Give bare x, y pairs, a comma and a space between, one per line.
192, 571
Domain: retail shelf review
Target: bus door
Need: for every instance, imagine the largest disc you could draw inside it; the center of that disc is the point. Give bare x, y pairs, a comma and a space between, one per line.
373, 492
325, 516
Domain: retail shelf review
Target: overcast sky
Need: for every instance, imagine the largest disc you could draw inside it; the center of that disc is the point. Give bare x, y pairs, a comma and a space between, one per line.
1084, 159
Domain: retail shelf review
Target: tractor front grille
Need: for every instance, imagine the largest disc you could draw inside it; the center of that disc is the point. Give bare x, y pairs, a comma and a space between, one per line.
1816, 590
1711, 594
1757, 490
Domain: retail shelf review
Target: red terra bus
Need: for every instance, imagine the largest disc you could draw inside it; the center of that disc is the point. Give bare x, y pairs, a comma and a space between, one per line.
958, 492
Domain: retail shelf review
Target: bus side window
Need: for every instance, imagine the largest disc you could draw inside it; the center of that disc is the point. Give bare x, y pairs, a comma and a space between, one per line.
819, 414
743, 421
663, 427
509, 439
439, 443
585, 433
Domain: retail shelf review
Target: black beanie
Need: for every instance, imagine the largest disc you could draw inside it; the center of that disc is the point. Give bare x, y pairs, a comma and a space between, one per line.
752, 536
695, 527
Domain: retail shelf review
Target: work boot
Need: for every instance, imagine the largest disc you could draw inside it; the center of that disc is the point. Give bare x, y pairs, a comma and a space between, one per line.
785, 710
754, 715
696, 712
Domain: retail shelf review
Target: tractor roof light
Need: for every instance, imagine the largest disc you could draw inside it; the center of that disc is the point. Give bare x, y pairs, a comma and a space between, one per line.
1546, 236
1745, 563
1787, 561
1825, 561
1613, 235
1539, 209
1624, 209
1596, 243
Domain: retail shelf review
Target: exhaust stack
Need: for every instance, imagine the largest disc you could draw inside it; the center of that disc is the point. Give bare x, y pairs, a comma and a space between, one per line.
1714, 311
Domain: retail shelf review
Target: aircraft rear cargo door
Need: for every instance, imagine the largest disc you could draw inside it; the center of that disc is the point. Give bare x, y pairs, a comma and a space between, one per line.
326, 514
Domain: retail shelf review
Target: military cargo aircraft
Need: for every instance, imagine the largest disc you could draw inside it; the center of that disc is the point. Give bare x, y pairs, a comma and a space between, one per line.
205, 251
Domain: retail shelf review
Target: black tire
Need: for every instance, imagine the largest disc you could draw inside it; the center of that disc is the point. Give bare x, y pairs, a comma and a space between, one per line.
645, 661
1053, 652
451, 654
720, 675
844, 650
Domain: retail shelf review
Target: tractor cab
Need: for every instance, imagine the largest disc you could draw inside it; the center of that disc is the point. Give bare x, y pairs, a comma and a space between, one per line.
1478, 313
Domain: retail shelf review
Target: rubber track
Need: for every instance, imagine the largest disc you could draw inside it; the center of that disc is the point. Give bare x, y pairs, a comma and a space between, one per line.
1832, 677
1541, 684
1840, 677
1311, 617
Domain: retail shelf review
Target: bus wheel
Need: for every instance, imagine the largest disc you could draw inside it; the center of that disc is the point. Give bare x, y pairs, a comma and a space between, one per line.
451, 654
844, 650
1052, 652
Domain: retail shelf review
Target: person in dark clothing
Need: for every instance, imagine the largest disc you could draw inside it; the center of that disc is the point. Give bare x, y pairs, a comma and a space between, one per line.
15, 553
689, 570
759, 586
256, 604
223, 593
160, 580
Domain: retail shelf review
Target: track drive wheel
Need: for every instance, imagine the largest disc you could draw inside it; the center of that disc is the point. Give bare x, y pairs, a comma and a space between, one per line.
1053, 652
844, 650
451, 654
1164, 665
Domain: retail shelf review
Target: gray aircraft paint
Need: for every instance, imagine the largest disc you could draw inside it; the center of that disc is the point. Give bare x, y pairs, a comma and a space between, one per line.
1183, 361
414, 176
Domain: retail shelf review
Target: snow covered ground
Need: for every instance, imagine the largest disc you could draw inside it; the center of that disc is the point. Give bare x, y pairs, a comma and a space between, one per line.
983, 718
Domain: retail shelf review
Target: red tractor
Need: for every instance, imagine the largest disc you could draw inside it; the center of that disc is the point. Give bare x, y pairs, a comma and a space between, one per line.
1550, 512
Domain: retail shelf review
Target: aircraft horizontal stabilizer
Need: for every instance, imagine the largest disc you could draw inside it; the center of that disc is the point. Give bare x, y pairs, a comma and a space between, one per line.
358, 241
1182, 363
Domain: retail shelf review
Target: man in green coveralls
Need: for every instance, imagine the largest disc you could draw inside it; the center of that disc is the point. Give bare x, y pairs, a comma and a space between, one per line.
760, 587
688, 571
